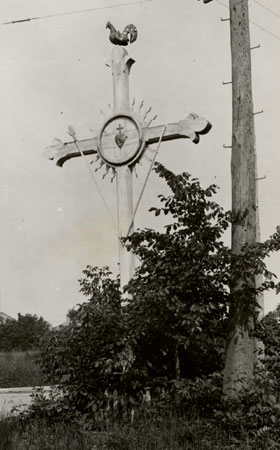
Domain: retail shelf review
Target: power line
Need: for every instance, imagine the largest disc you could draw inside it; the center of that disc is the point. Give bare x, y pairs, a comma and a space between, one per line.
265, 30
268, 9
225, 6
254, 23
68, 13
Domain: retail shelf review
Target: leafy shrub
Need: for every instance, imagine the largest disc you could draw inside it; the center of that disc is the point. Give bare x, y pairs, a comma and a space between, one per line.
269, 332
86, 357
175, 323
179, 295
168, 339
162, 425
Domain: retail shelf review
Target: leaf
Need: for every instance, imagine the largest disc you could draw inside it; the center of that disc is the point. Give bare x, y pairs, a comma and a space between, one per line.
272, 399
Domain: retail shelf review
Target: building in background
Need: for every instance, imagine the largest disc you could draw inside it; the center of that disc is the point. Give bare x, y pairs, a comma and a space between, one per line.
4, 317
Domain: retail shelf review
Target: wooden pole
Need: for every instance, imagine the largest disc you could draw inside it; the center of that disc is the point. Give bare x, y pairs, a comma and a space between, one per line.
240, 355
121, 64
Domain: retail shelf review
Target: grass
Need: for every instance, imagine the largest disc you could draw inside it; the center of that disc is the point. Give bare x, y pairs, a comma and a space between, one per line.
144, 433
153, 428
18, 369
40, 436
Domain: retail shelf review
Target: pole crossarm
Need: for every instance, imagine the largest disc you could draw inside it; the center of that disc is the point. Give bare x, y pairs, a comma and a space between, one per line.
191, 128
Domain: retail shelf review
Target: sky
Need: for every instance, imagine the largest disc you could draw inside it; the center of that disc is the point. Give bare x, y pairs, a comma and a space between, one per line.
53, 73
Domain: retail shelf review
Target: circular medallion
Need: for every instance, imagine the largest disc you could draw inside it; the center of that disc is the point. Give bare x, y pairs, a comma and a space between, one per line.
120, 140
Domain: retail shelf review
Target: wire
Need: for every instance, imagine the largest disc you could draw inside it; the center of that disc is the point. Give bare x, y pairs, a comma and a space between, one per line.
265, 30
72, 133
254, 23
146, 180
225, 6
265, 7
68, 13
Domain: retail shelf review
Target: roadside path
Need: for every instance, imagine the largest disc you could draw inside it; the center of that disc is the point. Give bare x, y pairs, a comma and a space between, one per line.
19, 398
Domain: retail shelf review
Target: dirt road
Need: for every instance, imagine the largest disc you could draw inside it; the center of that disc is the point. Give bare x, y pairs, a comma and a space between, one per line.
15, 399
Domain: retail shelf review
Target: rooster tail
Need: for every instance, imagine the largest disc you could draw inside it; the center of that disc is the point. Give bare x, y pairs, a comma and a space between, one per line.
132, 31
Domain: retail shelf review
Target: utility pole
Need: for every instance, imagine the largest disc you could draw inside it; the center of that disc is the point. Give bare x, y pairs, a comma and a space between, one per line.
241, 345
241, 352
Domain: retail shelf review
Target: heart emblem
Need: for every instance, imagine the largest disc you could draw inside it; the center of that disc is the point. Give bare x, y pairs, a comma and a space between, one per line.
120, 139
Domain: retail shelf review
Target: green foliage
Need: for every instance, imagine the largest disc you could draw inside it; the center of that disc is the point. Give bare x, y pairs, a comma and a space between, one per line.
148, 432
86, 357
175, 324
19, 434
194, 415
169, 336
22, 334
269, 332
245, 266
255, 411
179, 295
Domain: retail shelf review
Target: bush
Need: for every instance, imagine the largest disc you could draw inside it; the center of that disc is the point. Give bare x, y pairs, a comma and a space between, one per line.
86, 357
173, 326
168, 338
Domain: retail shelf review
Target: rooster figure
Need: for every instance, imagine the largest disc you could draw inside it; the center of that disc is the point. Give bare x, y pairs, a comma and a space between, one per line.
118, 38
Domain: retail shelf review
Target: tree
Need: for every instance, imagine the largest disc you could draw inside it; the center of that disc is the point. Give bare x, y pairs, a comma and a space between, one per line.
175, 324
175, 321
23, 333
179, 296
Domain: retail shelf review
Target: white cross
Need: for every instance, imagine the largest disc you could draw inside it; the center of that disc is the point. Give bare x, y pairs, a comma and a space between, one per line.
191, 127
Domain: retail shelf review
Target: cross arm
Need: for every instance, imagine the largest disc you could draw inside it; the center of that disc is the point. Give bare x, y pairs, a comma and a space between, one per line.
62, 151
191, 127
